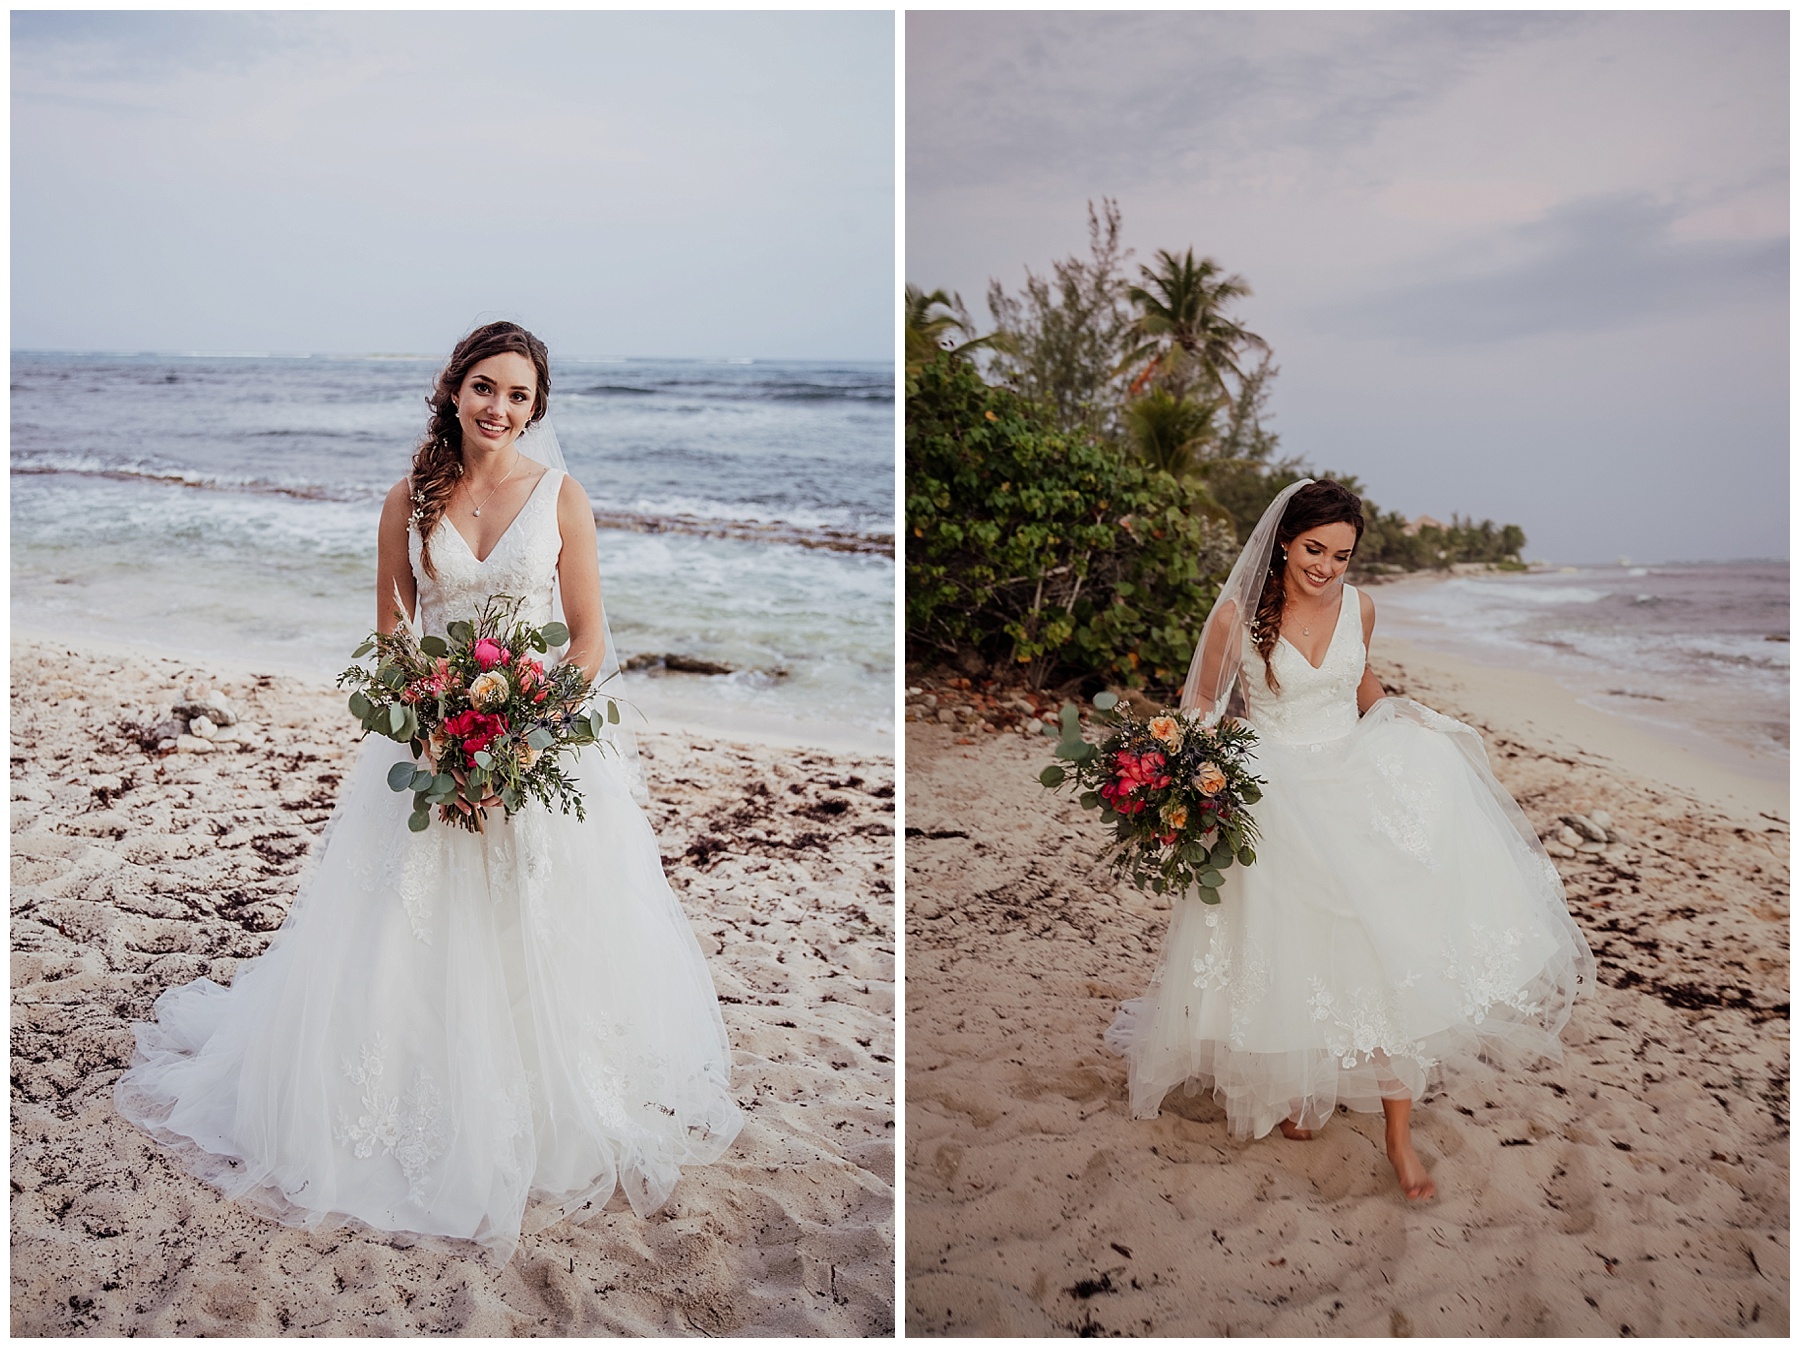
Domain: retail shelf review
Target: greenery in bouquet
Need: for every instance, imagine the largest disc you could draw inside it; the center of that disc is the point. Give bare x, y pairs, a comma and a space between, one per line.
1176, 792
488, 722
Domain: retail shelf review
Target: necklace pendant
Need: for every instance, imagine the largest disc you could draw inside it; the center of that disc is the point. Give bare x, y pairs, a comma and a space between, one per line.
477, 514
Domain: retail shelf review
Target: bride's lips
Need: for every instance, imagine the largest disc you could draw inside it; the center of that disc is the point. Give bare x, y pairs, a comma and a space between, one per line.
491, 429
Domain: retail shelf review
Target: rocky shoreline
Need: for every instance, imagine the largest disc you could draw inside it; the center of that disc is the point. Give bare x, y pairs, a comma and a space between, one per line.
1638, 1187
138, 865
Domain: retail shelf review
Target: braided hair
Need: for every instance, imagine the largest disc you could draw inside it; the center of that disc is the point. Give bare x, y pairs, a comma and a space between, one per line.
1318, 503
437, 465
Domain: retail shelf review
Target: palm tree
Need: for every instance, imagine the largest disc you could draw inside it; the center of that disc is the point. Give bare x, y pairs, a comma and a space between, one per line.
1170, 431
1182, 311
927, 333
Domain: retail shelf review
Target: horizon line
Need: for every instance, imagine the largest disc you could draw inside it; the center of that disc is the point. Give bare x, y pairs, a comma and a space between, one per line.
297, 354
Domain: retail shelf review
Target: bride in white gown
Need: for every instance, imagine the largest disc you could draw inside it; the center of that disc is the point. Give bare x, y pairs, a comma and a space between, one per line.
454, 1033
1401, 924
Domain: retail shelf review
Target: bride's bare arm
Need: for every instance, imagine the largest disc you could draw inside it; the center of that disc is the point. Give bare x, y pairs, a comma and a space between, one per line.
579, 568
1219, 644
393, 566
1369, 691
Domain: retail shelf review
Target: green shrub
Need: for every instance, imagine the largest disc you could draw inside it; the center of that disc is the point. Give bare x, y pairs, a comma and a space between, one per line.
1046, 549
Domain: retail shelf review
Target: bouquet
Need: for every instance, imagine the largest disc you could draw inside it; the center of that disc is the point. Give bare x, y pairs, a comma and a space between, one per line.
1175, 791
489, 721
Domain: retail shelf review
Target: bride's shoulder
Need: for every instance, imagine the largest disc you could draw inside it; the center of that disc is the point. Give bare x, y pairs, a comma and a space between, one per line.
573, 509
1366, 606
396, 507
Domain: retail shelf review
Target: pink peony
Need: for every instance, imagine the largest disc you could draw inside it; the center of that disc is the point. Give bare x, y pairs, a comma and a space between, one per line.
475, 729
489, 653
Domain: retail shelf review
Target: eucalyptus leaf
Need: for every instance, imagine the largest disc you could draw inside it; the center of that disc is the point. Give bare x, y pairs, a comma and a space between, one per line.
460, 632
399, 777
359, 706
540, 739
555, 633
419, 820
1090, 800
538, 643
1211, 879
1052, 776
1252, 793
362, 650
421, 780
1246, 857
434, 646
483, 759
396, 717
1105, 700
473, 790
612, 711
1209, 896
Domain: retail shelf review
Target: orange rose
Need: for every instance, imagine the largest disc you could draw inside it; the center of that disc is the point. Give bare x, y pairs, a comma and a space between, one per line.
1210, 780
1167, 731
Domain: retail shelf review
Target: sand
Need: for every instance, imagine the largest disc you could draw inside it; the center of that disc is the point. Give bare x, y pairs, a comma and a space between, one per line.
1639, 1187
133, 872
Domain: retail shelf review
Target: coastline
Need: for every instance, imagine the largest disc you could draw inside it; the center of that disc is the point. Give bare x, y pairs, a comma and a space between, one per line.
1650, 746
134, 872
1638, 1187
1552, 717
679, 710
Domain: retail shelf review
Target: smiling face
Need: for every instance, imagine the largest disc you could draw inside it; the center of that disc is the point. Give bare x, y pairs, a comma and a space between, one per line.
1316, 559
496, 399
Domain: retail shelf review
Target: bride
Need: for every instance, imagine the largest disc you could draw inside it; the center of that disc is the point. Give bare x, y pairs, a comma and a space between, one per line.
1401, 925
456, 1033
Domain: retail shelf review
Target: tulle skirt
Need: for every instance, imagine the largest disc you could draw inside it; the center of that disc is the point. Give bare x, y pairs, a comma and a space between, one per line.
452, 1034
1402, 924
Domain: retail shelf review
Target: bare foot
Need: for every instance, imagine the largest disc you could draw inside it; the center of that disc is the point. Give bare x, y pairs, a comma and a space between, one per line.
1293, 1132
1415, 1180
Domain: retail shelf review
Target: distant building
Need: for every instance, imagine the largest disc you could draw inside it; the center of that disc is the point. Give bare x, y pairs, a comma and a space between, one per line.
1423, 521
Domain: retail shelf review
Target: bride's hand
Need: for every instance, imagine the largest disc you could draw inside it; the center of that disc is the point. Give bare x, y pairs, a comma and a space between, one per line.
461, 803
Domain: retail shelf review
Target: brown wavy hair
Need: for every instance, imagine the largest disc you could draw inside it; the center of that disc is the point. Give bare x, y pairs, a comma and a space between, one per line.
437, 465
1317, 503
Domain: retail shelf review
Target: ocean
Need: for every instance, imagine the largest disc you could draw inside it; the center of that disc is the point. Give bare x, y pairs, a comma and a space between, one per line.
225, 506
1694, 652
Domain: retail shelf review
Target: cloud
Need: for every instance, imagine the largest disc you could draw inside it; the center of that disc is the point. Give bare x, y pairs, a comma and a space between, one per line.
1131, 99
1587, 266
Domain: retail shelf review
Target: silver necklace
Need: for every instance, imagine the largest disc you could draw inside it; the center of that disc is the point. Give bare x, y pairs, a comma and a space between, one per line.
517, 456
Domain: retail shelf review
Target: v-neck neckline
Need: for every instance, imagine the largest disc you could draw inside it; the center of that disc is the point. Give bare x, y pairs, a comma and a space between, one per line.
483, 561
1336, 623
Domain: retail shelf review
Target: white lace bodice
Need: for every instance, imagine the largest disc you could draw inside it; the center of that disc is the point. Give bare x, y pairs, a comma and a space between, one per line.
522, 564
1314, 705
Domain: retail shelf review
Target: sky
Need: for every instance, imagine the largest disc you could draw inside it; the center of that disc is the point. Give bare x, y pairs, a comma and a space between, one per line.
660, 184
1523, 266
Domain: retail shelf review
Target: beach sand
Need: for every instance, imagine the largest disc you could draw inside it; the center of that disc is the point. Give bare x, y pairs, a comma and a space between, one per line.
134, 872
1638, 1187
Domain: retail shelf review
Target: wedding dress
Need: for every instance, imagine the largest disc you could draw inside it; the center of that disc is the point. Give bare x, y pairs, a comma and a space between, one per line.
1401, 924
453, 1033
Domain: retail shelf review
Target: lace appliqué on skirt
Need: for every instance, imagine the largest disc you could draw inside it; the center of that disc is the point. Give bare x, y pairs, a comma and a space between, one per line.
410, 1126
